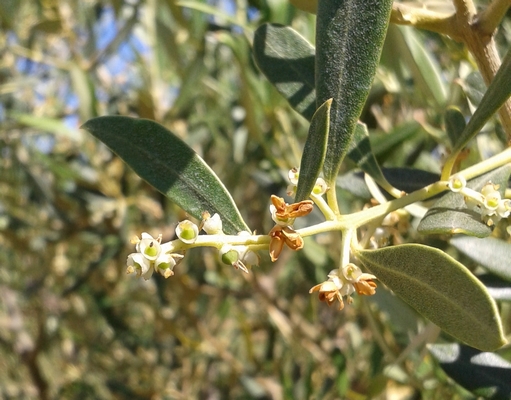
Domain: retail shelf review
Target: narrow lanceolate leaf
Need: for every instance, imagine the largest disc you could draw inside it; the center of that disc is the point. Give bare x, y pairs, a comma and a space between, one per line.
349, 39
167, 163
496, 95
449, 215
360, 152
454, 124
485, 374
441, 289
287, 60
422, 64
314, 151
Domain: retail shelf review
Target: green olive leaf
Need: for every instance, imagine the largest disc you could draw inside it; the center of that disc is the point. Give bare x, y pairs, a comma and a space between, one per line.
170, 165
314, 151
287, 60
454, 124
349, 40
439, 288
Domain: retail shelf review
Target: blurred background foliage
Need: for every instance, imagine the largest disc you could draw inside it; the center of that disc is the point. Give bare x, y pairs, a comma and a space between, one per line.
74, 326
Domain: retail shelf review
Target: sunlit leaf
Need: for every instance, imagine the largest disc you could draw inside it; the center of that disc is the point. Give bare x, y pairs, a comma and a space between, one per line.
349, 39
422, 64
439, 288
486, 374
492, 253
449, 215
48, 124
314, 151
287, 60
167, 163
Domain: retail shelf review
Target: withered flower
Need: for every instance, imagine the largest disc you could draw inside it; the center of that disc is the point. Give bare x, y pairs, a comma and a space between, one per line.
283, 234
284, 214
330, 290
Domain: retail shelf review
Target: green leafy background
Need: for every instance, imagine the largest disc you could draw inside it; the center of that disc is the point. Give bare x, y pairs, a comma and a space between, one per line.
74, 325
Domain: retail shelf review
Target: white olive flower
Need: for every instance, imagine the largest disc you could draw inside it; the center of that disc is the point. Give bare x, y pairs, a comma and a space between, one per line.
213, 225
361, 282
293, 175
187, 231
152, 256
457, 183
490, 189
504, 208
492, 200
320, 187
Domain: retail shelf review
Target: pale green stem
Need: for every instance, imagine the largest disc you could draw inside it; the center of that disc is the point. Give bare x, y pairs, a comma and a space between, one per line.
323, 207
348, 223
480, 168
331, 197
345, 247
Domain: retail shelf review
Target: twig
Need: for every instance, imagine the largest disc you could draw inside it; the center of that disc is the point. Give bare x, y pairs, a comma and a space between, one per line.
489, 19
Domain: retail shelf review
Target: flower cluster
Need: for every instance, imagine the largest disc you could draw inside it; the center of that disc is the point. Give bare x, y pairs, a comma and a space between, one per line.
343, 282
284, 215
488, 201
151, 255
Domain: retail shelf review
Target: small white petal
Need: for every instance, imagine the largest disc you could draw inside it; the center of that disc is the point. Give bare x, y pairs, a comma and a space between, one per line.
293, 175
213, 225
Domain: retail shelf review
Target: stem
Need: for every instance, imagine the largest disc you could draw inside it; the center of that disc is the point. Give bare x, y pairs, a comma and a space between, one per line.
465, 26
331, 197
424, 19
489, 19
345, 247
323, 206
347, 224
481, 45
